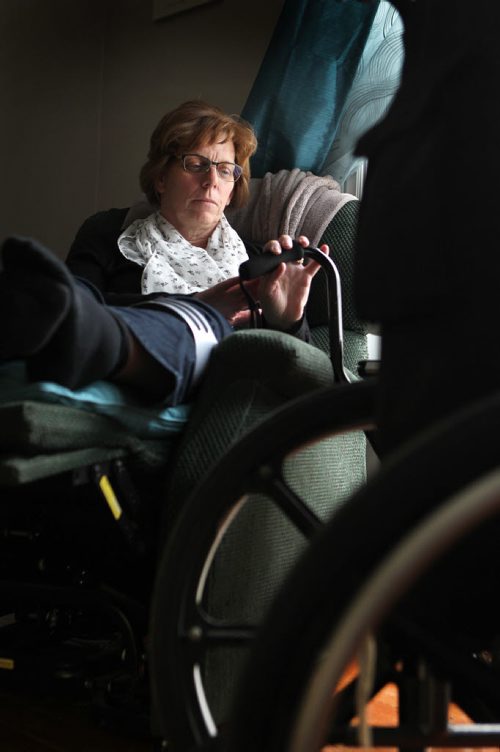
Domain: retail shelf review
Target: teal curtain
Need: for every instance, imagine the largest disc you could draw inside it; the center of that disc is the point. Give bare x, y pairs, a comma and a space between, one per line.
296, 101
370, 94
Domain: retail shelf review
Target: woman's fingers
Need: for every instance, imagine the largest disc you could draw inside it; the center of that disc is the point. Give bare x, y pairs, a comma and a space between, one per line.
311, 266
276, 246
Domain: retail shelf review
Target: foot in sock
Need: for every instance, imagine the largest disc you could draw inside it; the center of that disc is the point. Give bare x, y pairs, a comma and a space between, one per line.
58, 326
34, 299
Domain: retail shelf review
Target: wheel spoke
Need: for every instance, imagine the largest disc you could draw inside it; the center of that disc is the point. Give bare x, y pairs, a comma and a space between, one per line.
206, 634
269, 480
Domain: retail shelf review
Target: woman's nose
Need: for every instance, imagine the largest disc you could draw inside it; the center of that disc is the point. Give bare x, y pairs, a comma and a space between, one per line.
211, 177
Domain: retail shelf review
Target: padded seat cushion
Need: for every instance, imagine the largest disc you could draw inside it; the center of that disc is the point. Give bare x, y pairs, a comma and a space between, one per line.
39, 439
101, 397
16, 470
46, 429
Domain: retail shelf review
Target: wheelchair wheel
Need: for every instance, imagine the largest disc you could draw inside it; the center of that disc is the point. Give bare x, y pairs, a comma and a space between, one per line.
182, 633
398, 570
350, 578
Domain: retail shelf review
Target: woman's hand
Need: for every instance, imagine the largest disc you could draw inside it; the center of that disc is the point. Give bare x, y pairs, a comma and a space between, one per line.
283, 293
228, 298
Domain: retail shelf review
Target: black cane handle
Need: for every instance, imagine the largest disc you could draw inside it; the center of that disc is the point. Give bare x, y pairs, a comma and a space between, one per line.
267, 262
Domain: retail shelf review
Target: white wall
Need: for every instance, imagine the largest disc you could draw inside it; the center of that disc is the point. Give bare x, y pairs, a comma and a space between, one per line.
84, 82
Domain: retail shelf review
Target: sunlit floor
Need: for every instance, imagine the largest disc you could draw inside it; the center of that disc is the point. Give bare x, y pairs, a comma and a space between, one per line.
382, 711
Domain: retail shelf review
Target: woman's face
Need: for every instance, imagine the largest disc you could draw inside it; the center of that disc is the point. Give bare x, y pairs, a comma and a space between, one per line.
194, 203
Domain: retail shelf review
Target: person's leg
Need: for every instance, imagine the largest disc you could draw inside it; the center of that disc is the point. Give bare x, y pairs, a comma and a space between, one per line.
143, 372
65, 334
172, 340
62, 331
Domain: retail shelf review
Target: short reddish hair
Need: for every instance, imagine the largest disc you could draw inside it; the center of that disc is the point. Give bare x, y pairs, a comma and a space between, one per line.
186, 127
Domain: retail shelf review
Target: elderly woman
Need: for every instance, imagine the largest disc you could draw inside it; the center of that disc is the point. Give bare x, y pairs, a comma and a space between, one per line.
146, 302
197, 165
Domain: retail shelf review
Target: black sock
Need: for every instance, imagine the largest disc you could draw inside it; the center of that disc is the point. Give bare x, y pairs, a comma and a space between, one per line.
65, 334
30, 309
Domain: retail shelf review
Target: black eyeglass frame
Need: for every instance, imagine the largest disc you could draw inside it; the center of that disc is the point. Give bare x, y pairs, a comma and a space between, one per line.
237, 170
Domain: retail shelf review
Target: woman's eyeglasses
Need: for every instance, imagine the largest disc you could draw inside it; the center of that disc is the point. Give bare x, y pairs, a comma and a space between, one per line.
196, 163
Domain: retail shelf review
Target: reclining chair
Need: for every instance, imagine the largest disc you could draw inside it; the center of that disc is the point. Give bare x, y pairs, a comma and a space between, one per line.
89, 478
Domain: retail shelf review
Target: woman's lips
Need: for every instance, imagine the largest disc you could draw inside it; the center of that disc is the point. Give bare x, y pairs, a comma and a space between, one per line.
205, 201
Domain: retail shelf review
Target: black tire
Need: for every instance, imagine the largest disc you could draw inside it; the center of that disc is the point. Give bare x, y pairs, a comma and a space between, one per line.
180, 631
397, 572
341, 560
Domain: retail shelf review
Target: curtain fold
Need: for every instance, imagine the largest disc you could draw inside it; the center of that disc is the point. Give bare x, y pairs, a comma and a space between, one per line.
302, 85
370, 94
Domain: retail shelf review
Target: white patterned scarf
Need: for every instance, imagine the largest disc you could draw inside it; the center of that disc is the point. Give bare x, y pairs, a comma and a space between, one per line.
171, 264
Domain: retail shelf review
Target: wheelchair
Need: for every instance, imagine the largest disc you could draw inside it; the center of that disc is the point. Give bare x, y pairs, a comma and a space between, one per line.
86, 507
359, 588
439, 499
